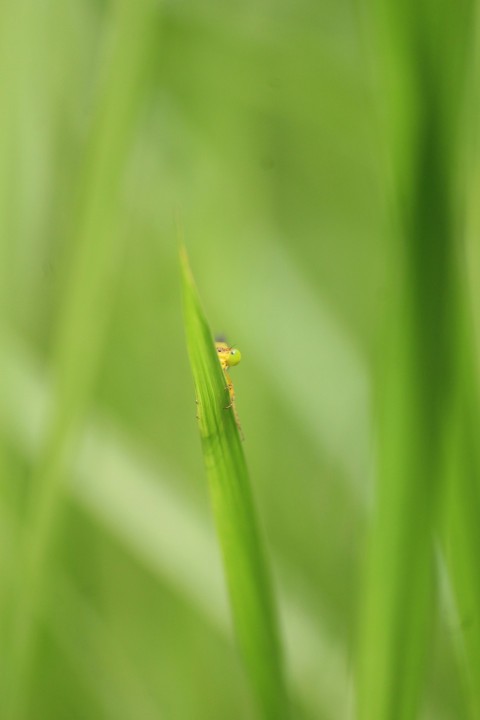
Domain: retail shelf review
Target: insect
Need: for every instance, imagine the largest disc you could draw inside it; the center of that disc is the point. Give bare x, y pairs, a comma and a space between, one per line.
229, 357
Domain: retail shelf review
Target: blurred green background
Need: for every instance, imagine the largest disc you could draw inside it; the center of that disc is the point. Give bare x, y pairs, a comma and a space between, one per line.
260, 126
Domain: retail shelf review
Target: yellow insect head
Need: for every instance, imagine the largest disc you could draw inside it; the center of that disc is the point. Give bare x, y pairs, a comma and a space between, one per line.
228, 356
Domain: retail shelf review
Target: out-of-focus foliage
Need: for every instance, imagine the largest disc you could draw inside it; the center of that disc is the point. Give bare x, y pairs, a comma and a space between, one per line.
309, 147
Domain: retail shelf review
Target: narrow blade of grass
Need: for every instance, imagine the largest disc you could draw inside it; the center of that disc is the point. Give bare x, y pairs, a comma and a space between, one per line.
461, 510
461, 529
86, 303
248, 580
421, 127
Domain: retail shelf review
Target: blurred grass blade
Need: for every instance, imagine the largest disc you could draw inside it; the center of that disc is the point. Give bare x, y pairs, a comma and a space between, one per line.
422, 127
87, 296
250, 592
11, 37
461, 528
461, 509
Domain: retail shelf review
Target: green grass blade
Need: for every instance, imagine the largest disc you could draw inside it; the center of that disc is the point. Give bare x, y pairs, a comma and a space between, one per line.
86, 303
422, 128
249, 587
461, 507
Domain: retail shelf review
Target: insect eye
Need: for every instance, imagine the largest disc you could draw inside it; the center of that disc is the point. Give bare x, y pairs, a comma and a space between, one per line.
234, 357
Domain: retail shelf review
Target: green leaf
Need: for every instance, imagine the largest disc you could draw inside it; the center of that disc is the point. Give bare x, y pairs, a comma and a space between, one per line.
461, 505
245, 565
421, 121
